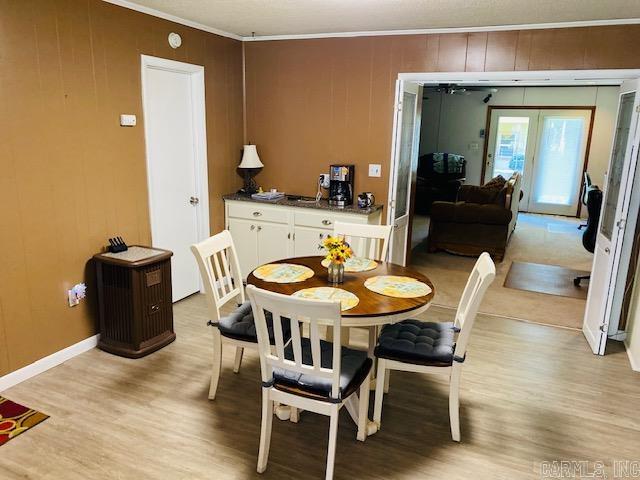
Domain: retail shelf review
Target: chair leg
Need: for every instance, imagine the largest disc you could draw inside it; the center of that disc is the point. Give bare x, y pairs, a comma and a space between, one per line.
454, 403
265, 431
333, 437
295, 415
238, 360
377, 407
363, 408
387, 377
217, 361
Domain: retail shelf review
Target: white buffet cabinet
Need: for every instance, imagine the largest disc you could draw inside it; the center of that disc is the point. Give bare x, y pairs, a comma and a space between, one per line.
265, 232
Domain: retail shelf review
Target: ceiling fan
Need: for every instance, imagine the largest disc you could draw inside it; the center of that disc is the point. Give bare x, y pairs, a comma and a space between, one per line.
454, 89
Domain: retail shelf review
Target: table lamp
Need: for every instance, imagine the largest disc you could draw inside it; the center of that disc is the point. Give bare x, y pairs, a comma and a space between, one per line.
250, 165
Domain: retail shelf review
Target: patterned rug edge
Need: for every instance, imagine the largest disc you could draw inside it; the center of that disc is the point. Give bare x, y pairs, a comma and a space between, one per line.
16, 419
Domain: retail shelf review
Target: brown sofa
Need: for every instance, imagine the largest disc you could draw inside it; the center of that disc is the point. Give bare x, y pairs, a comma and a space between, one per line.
481, 220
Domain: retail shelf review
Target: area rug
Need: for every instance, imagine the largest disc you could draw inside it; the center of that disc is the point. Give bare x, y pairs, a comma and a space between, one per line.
16, 419
548, 279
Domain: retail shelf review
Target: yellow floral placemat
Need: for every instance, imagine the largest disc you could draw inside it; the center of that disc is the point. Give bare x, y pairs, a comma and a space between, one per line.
355, 264
347, 299
283, 273
399, 287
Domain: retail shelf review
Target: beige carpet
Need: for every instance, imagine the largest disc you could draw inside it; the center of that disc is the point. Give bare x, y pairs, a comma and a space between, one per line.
545, 239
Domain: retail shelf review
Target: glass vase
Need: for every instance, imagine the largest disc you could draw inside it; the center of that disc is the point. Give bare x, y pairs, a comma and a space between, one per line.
336, 273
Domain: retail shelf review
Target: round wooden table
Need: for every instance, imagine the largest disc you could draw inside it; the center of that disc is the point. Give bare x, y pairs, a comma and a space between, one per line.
373, 309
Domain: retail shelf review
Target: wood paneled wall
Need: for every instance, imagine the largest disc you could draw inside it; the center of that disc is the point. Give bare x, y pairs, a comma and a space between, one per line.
70, 176
311, 103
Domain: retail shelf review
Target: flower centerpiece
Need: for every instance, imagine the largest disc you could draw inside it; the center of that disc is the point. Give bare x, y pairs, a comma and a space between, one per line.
338, 252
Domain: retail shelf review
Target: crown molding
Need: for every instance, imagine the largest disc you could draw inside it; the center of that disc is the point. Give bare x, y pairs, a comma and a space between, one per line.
433, 31
371, 33
172, 18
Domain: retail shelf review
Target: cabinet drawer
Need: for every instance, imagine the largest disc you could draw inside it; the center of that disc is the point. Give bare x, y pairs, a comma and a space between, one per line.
326, 219
258, 212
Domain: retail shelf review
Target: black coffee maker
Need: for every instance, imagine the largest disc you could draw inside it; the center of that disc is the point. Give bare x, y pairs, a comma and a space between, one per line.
341, 185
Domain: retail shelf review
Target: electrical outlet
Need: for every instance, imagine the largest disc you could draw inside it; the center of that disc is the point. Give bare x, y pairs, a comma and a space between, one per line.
77, 293
324, 180
375, 170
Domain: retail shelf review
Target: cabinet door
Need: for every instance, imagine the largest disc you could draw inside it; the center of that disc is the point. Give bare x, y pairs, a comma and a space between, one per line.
273, 242
245, 238
307, 239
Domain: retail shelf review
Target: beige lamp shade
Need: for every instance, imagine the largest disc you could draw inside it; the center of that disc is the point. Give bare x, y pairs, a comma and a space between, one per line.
250, 158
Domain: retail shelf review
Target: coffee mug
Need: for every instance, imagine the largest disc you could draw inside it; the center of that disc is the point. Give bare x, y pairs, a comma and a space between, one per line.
366, 199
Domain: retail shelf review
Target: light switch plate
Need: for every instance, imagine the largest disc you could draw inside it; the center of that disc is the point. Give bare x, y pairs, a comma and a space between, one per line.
375, 170
127, 120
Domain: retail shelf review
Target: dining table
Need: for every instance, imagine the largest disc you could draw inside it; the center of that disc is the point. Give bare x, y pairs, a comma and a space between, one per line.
373, 309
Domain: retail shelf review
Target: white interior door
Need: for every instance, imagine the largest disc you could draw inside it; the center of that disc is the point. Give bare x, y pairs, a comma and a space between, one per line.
173, 99
613, 220
558, 161
407, 134
512, 145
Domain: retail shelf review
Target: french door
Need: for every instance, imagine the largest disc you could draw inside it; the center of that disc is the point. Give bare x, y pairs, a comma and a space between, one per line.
405, 164
548, 148
617, 224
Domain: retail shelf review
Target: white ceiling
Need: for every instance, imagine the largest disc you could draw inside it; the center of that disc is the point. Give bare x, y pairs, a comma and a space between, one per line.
290, 17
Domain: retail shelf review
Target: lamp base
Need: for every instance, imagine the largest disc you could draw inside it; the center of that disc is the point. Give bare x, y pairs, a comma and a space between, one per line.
250, 186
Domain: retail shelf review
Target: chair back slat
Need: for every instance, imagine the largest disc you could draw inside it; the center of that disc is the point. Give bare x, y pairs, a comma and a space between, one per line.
370, 241
221, 284
482, 275
278, 334
314, 338
315, 313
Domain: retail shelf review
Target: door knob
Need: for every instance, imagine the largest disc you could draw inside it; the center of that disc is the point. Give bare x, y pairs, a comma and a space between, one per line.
194, 200
607, 250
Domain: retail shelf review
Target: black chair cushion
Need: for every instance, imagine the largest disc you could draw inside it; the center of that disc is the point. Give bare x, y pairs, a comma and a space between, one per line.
354, 367
422, 343
240, 325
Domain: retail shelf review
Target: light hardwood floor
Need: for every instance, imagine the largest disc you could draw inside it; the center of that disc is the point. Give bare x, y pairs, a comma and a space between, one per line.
529, 393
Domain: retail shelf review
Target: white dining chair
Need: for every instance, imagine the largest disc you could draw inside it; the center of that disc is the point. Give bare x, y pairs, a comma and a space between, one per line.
369, 241
308, 373
220, 271
432, 347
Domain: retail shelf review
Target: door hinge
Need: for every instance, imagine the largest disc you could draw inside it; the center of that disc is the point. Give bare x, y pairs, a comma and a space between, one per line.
621, 223
638, 108
602, 327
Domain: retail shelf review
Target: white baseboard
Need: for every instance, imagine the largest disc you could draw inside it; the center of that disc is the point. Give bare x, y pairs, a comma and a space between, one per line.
635, 362
44, 364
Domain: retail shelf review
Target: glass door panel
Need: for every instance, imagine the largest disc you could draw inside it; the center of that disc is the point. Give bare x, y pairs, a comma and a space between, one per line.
407, 139
559, 161
614, 176
511, 146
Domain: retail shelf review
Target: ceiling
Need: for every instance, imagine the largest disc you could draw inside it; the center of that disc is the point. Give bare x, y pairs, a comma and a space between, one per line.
294, 17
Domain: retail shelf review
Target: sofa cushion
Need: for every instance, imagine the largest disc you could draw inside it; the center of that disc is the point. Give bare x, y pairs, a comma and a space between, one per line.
240, 325
463, 212
354, 367
422, 343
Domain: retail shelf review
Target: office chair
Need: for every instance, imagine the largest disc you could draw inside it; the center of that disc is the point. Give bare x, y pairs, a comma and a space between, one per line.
585, 192
594, 203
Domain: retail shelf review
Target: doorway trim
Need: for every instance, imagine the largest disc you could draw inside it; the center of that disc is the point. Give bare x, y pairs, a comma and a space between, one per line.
585, 162
196, 75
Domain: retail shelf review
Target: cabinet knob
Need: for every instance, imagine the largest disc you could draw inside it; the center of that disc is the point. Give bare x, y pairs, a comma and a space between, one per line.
257, 214
326, 222
253, 227
320, 236
194, 201
259, 228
